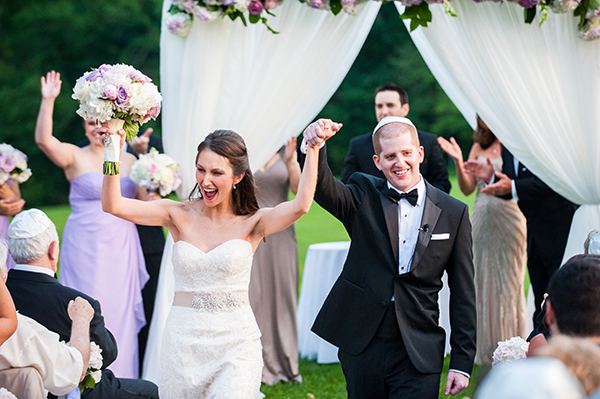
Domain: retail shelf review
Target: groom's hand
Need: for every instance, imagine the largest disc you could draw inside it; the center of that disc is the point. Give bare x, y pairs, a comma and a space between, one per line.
319, 131
456, 383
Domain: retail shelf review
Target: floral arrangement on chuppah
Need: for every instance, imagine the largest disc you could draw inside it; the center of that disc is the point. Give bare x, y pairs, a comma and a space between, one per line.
156, 173
13, 165
182, 12
510, 350
120, 96
6, 394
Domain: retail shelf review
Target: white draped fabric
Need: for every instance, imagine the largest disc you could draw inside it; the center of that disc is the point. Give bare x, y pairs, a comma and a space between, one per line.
264, 86
536, 87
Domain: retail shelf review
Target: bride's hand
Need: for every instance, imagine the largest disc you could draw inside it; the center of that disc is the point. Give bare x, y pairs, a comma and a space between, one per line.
105, 130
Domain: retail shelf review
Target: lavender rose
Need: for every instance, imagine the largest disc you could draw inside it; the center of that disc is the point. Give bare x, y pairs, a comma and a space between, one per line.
122, 97
110, 92
255, 7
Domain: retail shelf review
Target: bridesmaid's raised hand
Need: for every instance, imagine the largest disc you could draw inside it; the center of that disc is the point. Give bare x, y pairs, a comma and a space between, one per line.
51, 85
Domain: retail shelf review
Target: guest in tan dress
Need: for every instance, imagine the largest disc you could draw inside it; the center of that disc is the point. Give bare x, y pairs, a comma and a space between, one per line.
274, 280
499, 249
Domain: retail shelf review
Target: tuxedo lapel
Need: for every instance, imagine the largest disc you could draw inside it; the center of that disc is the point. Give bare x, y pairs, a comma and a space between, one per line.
431, 214
390, 213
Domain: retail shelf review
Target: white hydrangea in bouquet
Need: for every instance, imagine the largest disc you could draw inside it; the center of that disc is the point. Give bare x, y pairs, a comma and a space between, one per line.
156, 173
510, 350
6, 394
120, 96
93, 374
13, 165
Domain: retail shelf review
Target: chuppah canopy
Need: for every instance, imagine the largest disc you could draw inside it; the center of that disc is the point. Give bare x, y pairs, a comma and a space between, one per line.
535, 87
266, 87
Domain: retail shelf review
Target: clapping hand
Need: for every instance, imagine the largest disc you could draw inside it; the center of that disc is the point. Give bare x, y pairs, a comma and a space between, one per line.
290, 149
139, 144
482, 170
51, 85
502, 187
451, 148
321, 130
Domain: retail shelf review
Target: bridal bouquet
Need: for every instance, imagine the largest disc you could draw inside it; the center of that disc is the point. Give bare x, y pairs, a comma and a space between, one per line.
120, 96
13, 165
5, 394
93, 374
510, 350
156, 172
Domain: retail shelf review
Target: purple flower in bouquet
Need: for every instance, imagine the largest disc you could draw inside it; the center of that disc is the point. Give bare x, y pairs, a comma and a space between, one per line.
110, 92
7, 162
104, 68
528, 3
92, 76
122, 97
270, 4
255, 7
137, 76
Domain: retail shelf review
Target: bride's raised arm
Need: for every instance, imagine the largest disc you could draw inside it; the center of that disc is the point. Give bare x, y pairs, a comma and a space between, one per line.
283, 215
149, 213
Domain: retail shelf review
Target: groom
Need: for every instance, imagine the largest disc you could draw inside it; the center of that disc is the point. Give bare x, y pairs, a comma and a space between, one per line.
382, 312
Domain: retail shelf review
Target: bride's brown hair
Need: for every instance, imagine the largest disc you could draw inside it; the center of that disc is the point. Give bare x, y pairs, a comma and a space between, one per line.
231, 146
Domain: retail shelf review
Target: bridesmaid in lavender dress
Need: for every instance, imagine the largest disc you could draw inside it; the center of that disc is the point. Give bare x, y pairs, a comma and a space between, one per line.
10, 204
93, 260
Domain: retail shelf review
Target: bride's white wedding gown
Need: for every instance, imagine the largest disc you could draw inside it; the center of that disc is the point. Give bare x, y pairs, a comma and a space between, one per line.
212, 350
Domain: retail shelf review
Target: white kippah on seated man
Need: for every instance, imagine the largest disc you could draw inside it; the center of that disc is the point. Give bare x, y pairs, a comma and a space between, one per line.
61, 366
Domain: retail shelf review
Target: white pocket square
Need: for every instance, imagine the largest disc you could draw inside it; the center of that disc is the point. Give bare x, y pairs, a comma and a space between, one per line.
440, 236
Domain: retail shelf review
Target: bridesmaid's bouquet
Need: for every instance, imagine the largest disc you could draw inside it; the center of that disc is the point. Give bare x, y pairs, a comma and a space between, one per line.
156, 172
510, 350
120, 96
93, 374
13, 165
6, 394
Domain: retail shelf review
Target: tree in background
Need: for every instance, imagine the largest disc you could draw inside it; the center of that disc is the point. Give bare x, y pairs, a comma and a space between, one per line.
73, 36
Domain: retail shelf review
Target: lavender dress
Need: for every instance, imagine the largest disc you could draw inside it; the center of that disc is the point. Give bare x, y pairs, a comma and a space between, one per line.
4, 222
102, 257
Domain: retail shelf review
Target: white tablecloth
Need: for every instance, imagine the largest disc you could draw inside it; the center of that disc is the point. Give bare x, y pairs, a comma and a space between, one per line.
322, 267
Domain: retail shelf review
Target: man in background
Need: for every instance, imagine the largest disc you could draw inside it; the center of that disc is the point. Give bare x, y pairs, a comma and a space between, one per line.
391, 100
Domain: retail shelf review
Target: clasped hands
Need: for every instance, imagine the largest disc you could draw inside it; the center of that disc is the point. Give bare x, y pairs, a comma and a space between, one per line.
320, 131
485, 171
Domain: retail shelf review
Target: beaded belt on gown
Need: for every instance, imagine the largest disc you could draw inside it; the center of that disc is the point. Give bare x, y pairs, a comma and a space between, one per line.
216, 301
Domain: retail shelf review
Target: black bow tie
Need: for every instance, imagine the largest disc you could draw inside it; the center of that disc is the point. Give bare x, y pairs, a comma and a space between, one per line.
412, 196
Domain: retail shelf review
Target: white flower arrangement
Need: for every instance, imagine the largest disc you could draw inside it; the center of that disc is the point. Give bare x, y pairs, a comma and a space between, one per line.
6, 394
93, 374
13, 165
510, 350
121, 96
156, 172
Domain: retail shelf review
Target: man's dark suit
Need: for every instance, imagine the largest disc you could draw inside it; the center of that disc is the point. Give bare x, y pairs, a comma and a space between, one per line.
549, 216
433, 167
358, 300
45, 300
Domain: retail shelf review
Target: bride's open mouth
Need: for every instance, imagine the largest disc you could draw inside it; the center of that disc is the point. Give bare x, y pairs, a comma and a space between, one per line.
209, 194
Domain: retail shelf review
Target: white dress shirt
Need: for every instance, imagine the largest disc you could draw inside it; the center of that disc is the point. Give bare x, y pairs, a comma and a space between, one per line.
33, 269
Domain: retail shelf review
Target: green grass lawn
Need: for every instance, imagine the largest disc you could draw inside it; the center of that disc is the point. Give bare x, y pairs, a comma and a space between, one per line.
319, 380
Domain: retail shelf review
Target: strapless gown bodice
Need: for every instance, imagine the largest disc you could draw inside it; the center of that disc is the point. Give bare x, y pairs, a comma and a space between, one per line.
211, 351
224, 268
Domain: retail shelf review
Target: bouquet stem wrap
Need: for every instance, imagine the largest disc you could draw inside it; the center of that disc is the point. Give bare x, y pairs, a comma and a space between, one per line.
112, 148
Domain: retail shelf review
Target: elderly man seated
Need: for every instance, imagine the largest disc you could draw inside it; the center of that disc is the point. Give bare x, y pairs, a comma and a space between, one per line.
34, 355
33, 244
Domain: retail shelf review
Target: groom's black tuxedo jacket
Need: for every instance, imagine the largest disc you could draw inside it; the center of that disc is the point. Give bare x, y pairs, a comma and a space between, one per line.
45, 300
549, 215
358, 300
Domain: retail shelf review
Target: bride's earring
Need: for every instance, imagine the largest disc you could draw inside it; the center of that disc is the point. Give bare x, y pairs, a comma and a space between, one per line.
234, 187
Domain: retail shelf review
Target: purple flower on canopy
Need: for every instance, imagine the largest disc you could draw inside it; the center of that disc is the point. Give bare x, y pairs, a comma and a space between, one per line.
270, 4
122, 97
318, 4
228, 2
255, 7
92, 76
110, 92
528, 3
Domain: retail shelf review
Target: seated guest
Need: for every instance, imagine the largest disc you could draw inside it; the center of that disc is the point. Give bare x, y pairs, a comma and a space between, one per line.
33, 347
580, 355
33, 243
536, 378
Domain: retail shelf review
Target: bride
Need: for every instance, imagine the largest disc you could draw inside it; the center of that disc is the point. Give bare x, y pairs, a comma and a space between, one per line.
211, 344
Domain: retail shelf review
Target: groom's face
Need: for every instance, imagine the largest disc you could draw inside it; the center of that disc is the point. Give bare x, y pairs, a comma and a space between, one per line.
399, 160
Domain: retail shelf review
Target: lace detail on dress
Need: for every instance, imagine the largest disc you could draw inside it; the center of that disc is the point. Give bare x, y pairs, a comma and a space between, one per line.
213, 351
